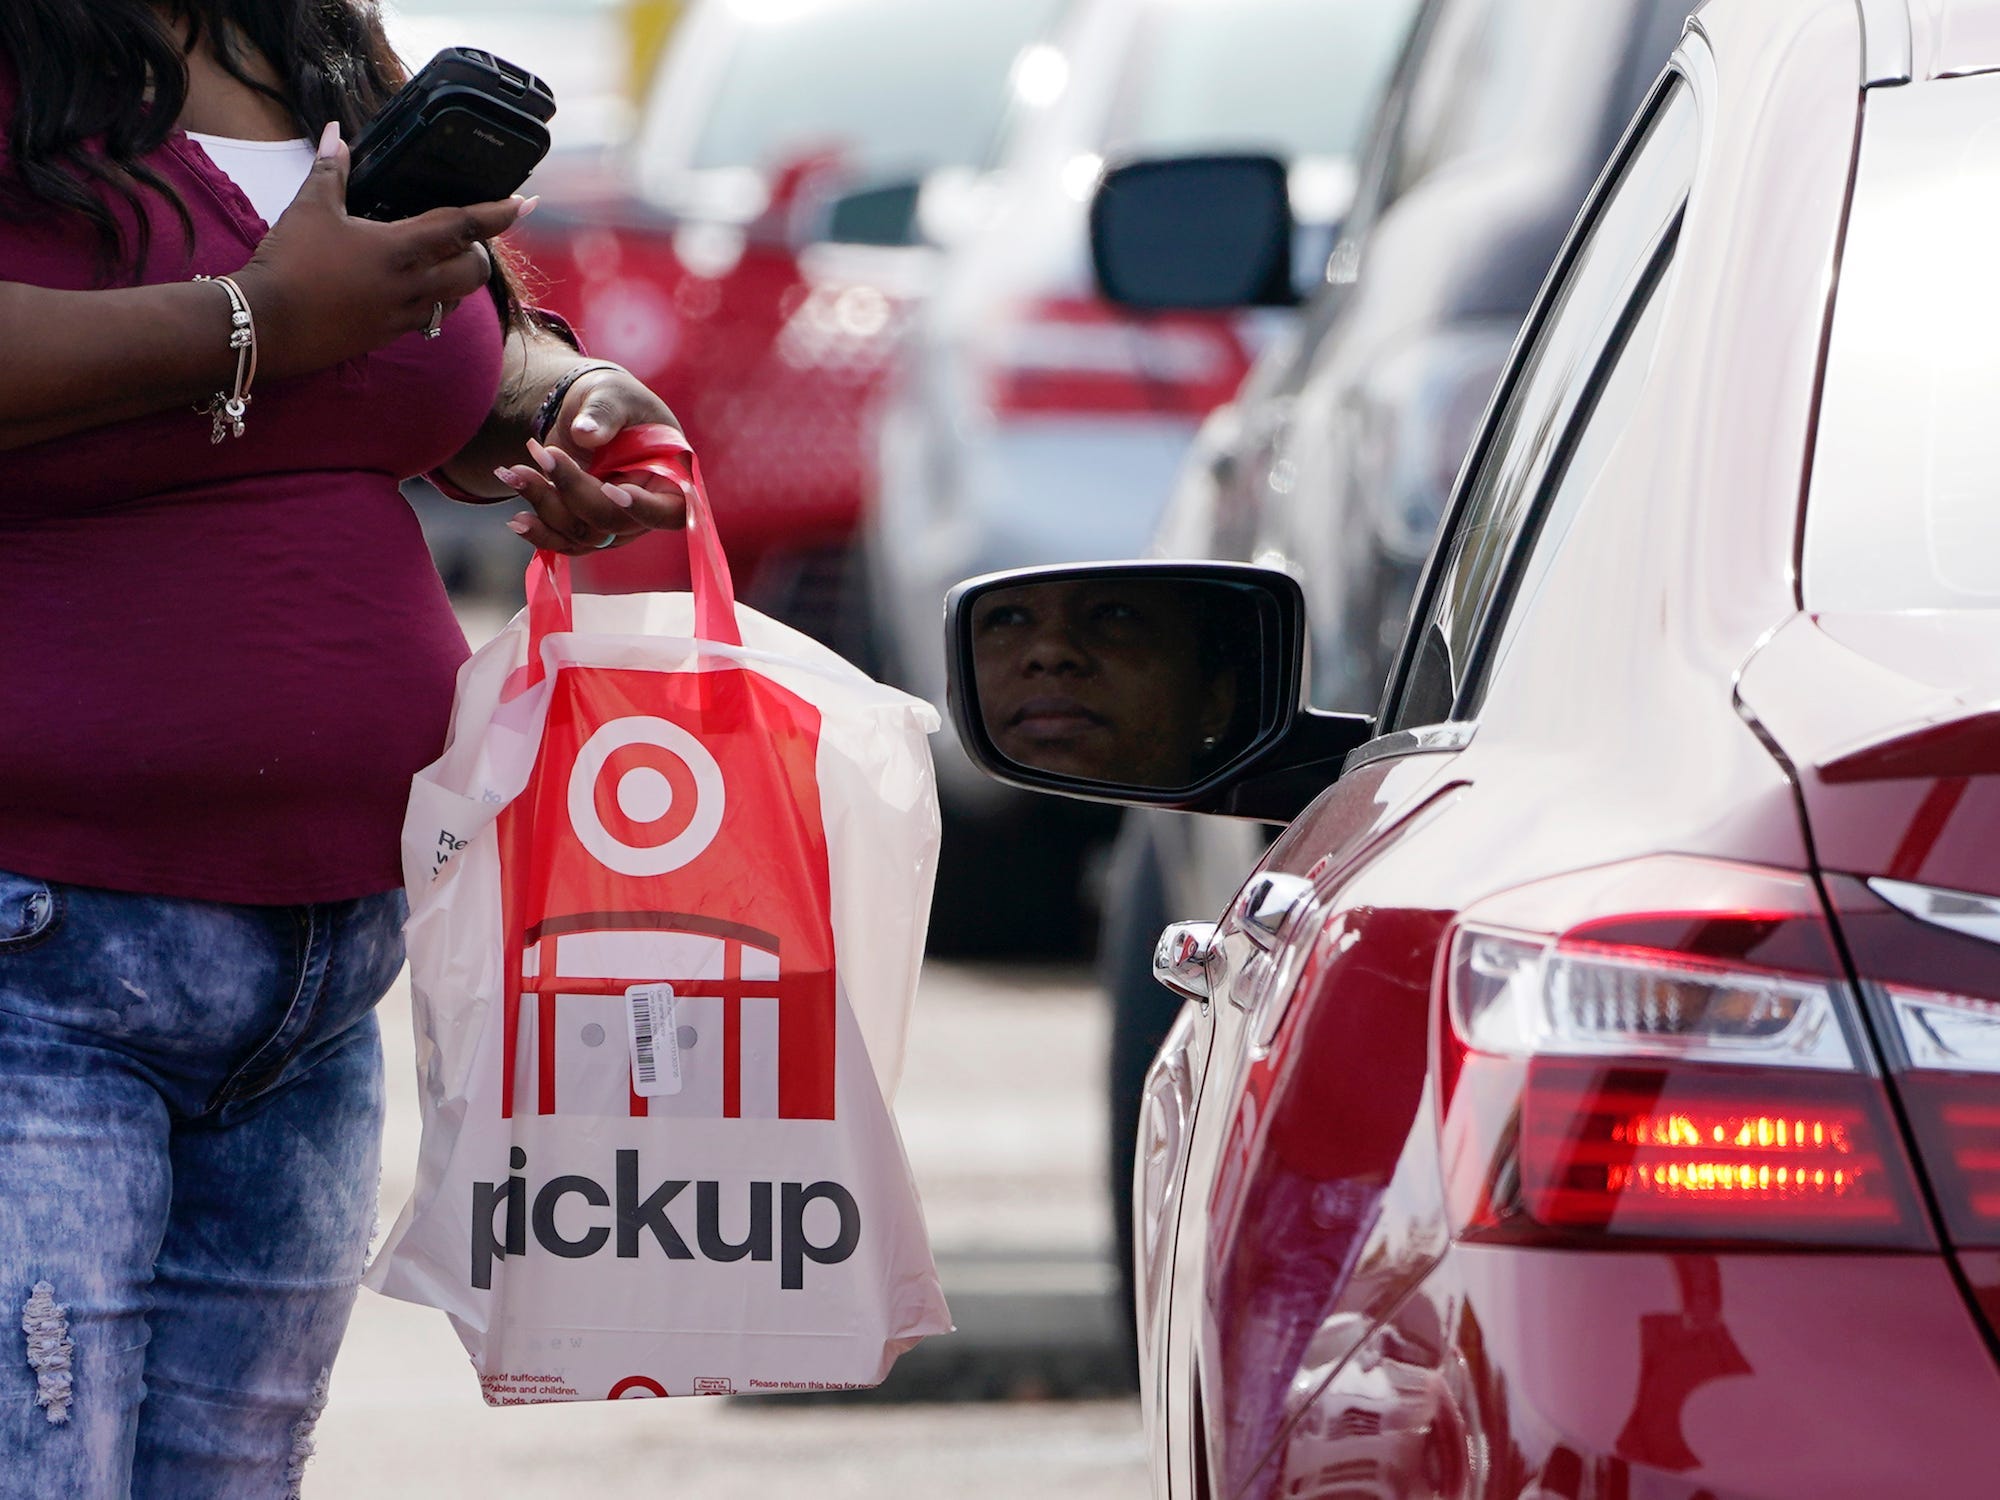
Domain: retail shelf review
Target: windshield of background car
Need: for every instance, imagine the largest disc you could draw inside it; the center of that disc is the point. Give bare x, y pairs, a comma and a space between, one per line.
894, 85
1904, 508
1292, 77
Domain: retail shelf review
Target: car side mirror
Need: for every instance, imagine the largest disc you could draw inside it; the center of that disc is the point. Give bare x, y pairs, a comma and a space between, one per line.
1194, 233
1145, 683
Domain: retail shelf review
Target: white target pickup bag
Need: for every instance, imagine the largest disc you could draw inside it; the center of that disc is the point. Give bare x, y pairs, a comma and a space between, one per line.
668, 888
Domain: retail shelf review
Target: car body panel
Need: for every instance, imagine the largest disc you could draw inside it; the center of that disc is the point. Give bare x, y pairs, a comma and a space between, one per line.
1891, 723
1953, 37
1351, 817
1571, 1375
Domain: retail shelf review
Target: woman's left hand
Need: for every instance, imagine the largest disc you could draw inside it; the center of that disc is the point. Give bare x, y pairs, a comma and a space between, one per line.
575, 513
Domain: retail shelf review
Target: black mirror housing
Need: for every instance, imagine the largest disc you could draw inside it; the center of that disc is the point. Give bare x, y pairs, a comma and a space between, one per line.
1147, 684
1194, 233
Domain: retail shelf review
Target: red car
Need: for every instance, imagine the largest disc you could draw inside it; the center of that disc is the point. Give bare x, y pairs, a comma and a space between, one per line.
761, 263
1596, 1091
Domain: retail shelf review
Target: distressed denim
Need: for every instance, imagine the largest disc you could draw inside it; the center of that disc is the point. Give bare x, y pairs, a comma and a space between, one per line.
190, 1121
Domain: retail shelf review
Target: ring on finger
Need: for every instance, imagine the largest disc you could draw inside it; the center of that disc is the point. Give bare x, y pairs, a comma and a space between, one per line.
436, 325
610, 541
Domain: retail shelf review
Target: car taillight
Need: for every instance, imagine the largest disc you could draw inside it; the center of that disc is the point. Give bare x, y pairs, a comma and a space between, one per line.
1930, 970
1081, 356
1665, 1049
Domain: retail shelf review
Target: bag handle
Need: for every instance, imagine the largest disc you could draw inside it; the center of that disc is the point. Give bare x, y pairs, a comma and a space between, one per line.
654, 451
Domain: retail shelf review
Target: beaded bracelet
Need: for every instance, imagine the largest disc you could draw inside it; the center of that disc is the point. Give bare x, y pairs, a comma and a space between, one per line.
546, 413
226, 408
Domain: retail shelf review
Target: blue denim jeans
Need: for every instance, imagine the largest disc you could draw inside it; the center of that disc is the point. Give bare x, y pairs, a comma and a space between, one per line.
190, 1120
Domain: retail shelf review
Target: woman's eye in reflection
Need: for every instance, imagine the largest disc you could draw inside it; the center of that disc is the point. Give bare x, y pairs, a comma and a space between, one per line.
1003, 617
1114, 612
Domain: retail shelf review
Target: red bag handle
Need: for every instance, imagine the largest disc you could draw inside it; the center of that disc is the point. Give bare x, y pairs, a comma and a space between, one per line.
641, 453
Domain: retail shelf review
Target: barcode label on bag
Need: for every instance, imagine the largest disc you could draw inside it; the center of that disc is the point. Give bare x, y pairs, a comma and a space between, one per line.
655, 1034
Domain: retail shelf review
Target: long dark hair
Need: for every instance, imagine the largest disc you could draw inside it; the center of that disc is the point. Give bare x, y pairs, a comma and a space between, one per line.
101, 83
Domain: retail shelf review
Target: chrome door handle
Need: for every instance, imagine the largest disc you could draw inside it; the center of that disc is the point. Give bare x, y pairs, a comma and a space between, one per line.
1180, 959
1269, 902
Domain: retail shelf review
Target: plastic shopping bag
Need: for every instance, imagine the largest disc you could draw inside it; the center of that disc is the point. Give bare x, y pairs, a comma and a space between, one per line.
668, 888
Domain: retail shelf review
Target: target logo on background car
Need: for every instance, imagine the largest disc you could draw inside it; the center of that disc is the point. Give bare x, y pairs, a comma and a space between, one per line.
671, 952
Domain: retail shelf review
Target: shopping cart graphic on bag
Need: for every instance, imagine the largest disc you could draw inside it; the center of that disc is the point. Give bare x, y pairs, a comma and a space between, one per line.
670, 847
569, 1031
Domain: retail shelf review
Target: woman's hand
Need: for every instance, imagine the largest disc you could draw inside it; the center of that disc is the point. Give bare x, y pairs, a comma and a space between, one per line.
575, 513
326, 287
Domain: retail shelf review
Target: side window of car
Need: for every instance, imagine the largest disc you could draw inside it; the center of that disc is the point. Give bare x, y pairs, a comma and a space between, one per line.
1580, 323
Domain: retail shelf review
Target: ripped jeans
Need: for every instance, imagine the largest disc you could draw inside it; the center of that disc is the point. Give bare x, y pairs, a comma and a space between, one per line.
190, 1117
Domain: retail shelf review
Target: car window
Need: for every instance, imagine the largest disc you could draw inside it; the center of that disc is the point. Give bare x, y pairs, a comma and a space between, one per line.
1904, 507
880, 81
1549, 386
1292, 77
1574, 474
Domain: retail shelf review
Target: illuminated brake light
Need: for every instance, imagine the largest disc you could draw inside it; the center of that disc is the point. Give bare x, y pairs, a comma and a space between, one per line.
1665, 1050
1671, 1151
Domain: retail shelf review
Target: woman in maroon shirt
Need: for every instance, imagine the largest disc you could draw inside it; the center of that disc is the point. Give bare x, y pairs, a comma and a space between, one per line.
226, 654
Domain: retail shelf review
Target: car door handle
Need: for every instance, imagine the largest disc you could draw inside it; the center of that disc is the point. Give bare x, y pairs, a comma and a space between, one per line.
1268, 903
1180, 959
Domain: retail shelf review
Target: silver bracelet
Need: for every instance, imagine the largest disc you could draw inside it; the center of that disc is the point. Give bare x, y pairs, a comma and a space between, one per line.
226, 408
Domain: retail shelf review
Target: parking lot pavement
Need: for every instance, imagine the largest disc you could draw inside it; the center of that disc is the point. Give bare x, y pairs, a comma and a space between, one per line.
1002, 1113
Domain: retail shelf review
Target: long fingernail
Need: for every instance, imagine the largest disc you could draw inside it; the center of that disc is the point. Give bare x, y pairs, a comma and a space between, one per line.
518, 525
544, 460
510, 478
329, 138
528, 206
619, 497
584, 423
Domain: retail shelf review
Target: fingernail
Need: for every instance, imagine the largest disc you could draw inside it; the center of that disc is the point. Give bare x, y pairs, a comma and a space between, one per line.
544, 460
509, 478
329, 138
528, 206
584, 423
518, 525
619, 497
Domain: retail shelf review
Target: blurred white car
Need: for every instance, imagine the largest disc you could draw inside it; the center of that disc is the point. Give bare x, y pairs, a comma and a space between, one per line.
1028, 420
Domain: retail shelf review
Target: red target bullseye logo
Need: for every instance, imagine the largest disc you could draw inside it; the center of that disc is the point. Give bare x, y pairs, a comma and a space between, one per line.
645, 796
634, 1386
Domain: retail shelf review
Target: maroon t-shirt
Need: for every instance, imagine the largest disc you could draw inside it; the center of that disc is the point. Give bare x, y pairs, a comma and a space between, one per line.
223, 662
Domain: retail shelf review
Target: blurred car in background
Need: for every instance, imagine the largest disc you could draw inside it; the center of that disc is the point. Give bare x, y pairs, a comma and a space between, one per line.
1030, 420
1335, 459
759, 260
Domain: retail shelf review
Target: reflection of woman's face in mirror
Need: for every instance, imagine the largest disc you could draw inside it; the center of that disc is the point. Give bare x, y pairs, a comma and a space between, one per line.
1103, 679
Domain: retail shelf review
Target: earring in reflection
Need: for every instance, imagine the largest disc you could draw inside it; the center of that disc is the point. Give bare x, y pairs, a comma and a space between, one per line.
1210, 741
